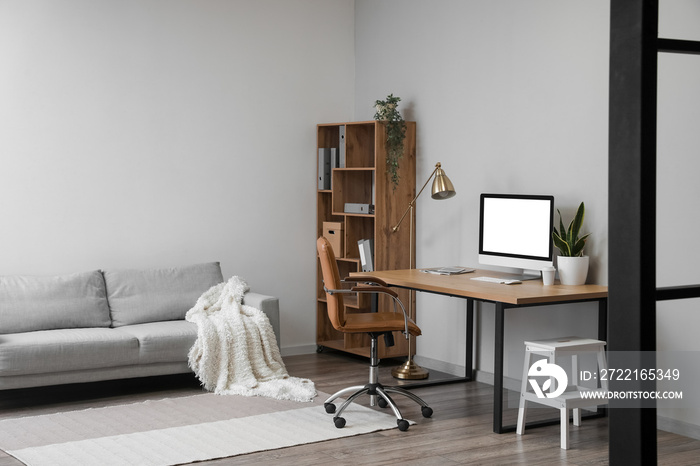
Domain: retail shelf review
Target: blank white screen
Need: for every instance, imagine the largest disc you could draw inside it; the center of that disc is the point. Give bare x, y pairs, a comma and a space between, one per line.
517, 226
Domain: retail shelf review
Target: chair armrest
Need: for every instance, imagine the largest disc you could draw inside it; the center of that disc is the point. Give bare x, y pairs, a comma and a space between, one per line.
394, 295
374, 289
366, 279
364, 288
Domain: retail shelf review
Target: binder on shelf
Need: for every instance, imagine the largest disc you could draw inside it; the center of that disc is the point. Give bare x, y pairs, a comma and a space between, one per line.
366, 247
335, 158
355, 208
324, 168
341, 147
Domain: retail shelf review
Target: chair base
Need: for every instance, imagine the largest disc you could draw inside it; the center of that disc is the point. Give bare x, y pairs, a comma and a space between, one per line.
378, 393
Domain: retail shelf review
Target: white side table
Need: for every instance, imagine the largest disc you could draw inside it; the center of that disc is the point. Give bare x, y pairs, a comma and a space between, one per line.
551, 350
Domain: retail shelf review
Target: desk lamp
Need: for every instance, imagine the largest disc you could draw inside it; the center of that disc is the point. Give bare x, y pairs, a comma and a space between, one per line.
442, 189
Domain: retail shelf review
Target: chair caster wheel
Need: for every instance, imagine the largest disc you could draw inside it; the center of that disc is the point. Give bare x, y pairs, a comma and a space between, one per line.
426, 411
382, 402
330, 407
339, 422
403, 424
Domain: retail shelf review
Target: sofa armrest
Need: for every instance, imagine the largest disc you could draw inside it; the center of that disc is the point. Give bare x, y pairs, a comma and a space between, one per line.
270, 306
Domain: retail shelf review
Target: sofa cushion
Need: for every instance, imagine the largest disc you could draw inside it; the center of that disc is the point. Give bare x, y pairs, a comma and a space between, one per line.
141, 296
29, 303
51, 351
168, 341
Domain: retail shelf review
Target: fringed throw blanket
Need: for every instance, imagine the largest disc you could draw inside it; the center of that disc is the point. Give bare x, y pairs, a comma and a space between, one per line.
236, 352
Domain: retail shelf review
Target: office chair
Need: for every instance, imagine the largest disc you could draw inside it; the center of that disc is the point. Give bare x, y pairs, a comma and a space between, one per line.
375, 324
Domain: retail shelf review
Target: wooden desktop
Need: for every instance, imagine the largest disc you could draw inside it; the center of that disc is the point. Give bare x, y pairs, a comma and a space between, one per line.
527, 293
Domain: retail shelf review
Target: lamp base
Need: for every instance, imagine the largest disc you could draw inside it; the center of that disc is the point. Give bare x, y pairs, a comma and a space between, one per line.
409, 371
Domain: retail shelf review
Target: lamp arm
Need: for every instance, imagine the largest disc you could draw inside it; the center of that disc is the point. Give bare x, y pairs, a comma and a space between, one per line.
413, 202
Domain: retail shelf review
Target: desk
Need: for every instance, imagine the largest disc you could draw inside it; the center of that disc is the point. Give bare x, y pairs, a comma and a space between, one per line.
528, 293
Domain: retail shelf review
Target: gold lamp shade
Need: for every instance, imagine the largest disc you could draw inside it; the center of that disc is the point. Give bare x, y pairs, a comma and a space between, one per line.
442, 186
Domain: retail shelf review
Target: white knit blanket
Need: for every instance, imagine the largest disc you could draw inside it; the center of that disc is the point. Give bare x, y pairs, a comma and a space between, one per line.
236, 352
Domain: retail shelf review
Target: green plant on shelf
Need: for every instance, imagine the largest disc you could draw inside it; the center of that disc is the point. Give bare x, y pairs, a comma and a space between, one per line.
387, 112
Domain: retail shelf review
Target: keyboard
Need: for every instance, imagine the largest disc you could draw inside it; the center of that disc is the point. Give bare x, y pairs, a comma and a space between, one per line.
504, 281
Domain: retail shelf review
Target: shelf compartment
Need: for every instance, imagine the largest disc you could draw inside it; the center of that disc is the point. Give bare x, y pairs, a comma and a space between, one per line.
328, 136
356, 228
353, 186
332, 344
324, 211
360, 347
359, 145
351, 300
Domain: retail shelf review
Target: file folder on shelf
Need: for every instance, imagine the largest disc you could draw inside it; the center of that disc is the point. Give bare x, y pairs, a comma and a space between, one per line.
324, 168
366, 247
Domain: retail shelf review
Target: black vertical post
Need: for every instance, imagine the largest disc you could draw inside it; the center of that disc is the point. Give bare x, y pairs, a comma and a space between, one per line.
632, 215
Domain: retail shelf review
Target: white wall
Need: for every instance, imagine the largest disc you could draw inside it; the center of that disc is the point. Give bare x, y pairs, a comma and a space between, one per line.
134, 133
510, 96
147, 133
677, 197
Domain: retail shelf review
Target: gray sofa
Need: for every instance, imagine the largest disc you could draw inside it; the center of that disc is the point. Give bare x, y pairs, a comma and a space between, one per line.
104, 325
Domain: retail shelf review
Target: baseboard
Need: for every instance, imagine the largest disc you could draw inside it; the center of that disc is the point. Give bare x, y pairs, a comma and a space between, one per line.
678, 427
441, 366
454, 369
296, 350
487, 378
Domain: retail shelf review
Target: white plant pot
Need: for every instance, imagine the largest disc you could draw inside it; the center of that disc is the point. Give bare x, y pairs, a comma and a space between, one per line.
572, 270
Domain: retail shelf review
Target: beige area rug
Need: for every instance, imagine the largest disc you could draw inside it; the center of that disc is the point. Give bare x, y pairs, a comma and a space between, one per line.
179, 430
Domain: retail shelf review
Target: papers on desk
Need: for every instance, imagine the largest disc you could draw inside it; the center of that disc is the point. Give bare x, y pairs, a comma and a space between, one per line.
447, 270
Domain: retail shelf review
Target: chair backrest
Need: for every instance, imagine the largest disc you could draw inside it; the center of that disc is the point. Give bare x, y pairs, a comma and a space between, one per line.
331, 279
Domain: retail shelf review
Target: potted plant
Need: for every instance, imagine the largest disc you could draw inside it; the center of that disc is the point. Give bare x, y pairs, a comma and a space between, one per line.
572, 264
387, 111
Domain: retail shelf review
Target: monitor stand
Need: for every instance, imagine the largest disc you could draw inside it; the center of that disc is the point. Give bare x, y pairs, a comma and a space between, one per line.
528, 275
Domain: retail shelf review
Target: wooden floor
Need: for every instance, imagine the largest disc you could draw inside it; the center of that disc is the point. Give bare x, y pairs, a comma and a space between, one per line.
460, 431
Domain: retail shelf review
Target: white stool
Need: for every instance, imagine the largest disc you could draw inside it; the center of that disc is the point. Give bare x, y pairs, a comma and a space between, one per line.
571, 396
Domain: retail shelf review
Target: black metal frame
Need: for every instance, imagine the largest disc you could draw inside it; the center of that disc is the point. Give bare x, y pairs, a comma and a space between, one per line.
499, 342
677, 292
469, 348
678, 46
634, 48
498, 426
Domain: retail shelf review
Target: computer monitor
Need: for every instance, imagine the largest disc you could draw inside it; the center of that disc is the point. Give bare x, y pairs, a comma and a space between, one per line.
515, 231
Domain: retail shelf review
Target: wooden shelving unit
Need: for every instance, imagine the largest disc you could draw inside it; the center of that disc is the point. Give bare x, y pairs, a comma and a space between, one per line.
365, 179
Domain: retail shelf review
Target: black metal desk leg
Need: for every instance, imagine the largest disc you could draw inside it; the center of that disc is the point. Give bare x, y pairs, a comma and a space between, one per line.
469, 353
498, 371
